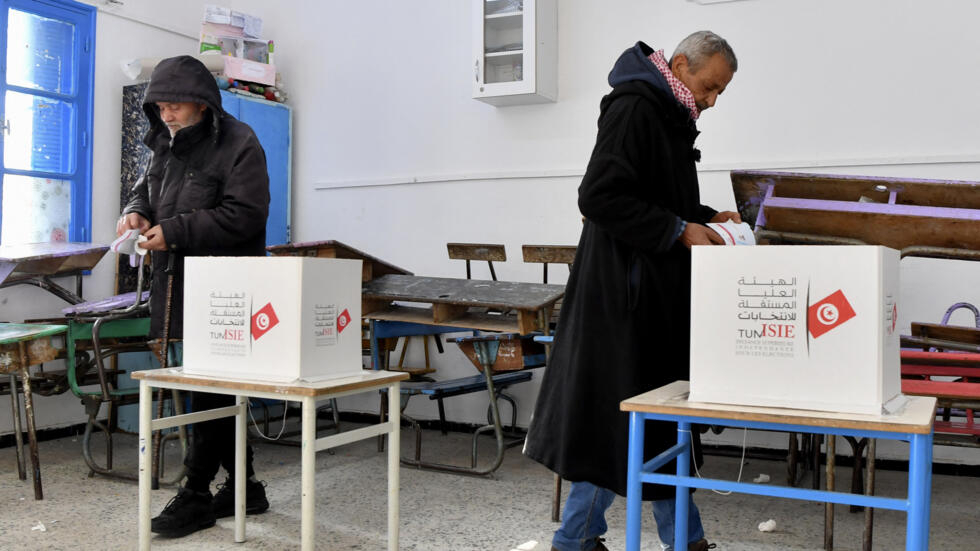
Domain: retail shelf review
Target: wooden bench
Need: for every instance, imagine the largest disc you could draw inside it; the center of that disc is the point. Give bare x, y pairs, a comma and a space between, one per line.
438, 390
947, 337
506, 358
99, 331
957, 398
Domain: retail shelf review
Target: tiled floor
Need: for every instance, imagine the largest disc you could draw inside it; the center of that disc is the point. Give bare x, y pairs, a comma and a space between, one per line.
438, 511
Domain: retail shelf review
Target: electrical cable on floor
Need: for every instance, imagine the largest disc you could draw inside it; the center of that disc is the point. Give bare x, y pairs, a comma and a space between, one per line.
741, 463
285, 410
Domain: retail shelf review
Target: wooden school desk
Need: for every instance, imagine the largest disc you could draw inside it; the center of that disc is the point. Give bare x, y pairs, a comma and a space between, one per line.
36, 263
21, 346
457, 305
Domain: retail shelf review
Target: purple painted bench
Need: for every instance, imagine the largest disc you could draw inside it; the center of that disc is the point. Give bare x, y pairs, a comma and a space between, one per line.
104, 305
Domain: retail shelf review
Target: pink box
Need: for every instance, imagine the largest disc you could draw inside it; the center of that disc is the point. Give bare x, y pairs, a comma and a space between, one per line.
250, 71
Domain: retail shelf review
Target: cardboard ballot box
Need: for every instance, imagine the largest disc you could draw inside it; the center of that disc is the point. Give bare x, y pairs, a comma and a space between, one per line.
807, 327
274, 319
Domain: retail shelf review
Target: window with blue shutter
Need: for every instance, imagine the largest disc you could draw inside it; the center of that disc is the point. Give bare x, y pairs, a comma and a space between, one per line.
46, 84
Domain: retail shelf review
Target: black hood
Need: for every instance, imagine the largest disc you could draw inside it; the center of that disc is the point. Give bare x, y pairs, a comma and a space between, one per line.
635, 74
635, 64
180, 79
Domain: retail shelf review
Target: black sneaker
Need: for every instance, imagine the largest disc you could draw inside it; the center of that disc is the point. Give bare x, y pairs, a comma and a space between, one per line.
224, 499
186, 513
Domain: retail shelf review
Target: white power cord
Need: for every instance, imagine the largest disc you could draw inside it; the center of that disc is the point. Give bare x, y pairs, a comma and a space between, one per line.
285, 410
741, 462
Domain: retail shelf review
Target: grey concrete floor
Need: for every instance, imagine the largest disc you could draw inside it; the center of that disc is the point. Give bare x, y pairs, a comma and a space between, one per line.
438, 511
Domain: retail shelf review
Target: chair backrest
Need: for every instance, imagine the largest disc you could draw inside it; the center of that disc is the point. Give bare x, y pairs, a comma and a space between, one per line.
488, 252
549, 254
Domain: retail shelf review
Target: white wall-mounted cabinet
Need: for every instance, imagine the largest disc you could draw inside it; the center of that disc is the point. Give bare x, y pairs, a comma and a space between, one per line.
515, 46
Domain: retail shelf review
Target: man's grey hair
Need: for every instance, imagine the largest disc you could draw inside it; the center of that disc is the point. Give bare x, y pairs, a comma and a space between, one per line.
701, 46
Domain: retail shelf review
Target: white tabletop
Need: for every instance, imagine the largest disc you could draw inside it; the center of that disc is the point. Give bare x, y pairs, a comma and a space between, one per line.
366, 380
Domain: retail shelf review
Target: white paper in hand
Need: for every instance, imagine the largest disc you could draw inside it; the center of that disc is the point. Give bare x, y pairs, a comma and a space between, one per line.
128, 243
734, 234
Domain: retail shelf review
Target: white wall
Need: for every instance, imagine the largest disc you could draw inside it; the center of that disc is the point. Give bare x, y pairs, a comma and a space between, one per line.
384, 98
392, 156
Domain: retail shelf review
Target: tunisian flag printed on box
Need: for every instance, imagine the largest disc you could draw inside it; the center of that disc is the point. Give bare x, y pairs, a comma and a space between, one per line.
829, 313
263, 320
342, 321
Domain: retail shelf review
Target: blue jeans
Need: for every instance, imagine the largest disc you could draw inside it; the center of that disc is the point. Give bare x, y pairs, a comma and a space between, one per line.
584, 519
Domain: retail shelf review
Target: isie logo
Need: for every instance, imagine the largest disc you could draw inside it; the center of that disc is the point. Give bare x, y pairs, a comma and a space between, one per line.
829, 313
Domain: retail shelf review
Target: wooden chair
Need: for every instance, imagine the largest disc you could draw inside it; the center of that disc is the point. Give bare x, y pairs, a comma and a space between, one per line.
487, 252
551, 254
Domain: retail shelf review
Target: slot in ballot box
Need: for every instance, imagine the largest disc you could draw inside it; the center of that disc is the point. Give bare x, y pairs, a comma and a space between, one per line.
807, 327
275, 319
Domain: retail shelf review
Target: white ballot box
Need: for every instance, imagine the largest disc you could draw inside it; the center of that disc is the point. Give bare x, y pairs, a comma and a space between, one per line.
274, 319
807, 327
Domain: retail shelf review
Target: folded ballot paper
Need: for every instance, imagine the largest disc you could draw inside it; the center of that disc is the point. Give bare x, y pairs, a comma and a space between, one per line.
129, 243
734, 234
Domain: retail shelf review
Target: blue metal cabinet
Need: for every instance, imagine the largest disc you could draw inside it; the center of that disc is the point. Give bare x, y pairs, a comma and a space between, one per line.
272, 123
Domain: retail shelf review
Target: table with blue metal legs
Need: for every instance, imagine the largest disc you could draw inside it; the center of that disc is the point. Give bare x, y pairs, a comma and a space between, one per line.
912, 423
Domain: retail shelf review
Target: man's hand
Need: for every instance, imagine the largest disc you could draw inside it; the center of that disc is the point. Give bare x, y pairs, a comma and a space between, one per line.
725, 216
154, 239
696, 234
130, 221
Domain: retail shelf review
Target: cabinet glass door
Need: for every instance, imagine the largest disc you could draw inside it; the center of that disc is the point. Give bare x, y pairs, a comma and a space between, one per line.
506, 45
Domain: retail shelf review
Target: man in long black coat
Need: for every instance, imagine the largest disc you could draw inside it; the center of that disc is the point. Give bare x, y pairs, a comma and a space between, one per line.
205, 193
624, 325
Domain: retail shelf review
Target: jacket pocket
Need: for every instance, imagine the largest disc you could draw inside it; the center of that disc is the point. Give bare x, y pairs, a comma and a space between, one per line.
199, 191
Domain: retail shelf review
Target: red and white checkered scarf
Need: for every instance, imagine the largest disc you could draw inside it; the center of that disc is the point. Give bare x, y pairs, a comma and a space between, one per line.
681, 92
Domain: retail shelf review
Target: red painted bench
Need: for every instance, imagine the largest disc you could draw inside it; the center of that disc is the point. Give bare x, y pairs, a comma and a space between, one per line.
963, 391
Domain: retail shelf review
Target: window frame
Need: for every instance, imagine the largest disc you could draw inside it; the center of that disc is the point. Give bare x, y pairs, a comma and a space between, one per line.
83, 17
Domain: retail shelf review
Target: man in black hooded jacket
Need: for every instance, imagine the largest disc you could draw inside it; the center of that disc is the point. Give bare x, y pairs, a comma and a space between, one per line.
625, 319
204, 193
